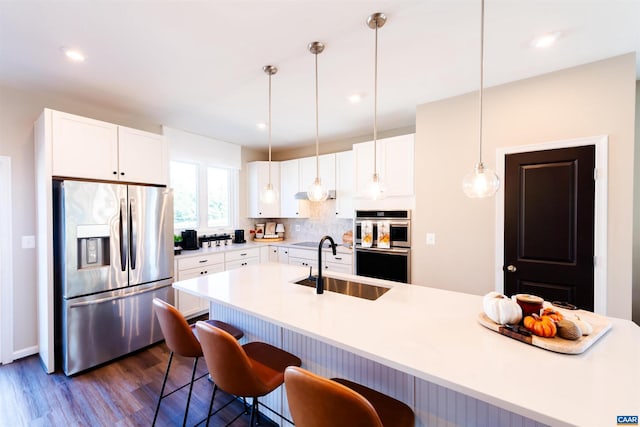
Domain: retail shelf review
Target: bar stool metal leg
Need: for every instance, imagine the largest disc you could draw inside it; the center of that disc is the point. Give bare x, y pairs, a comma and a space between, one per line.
193, 376
164, 383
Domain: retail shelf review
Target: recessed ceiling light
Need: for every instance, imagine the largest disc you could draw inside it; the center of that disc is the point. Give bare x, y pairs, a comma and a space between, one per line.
355, 98
261, 125
74, 55
545, 40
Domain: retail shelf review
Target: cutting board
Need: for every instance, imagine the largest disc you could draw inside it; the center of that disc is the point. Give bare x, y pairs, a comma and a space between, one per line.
601, 325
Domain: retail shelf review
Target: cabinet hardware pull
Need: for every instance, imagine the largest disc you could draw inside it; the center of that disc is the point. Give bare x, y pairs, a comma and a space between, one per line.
202, 260
337, 258
115, 173
243, 254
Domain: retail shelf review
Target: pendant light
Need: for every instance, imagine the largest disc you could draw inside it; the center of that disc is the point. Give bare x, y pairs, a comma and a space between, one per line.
482, 182
316, 191
269, 193
376, 188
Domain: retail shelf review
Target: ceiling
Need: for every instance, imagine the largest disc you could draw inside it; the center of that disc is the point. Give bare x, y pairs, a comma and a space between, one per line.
197, 65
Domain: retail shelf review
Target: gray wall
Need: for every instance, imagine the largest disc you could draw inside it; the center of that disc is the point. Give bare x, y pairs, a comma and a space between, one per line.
593, 99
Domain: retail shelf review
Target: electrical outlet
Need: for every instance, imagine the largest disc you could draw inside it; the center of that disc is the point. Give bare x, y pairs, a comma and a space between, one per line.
431, 238
297, 227
28, 242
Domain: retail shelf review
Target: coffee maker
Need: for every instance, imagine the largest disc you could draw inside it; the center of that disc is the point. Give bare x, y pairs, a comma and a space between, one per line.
189, 240
238, 236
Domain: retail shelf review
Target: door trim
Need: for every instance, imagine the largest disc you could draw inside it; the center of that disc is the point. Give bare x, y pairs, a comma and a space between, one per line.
6, 264
601, 143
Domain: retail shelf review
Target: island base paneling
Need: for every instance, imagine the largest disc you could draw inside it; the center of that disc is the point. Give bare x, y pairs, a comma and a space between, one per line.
433, 405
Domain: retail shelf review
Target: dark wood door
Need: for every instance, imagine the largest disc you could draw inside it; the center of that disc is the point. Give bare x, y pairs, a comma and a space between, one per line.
549, 224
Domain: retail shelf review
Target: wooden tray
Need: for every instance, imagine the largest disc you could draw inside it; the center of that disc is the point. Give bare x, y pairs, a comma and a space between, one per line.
270, 239
600, 326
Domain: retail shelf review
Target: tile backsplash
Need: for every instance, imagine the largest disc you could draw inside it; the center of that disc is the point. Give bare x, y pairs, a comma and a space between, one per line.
321, 222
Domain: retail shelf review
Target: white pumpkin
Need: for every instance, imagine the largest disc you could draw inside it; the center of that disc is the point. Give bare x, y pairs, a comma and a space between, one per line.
501, 309
584, 326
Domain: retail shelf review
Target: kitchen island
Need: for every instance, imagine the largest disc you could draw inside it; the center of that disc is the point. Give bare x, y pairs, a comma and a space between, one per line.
424, 346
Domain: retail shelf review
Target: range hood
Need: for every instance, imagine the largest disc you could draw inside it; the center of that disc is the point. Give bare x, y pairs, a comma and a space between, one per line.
302, 195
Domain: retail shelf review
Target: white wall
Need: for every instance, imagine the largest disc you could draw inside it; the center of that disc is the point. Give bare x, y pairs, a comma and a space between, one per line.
636, 215
593, 99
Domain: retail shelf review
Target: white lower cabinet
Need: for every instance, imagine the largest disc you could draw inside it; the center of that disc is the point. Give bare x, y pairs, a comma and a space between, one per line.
283, 255
341, 262
303, 257
273, 254
238, 259
189, 268
279, 254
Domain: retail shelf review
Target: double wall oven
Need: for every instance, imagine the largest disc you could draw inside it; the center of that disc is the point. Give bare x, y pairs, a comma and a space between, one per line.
383, 244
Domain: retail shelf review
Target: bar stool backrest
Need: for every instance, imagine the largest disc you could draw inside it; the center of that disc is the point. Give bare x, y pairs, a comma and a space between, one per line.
177, 333
229, 366
315, 401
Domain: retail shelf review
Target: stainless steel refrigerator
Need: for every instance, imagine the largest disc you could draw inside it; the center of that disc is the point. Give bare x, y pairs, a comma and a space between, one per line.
113, 252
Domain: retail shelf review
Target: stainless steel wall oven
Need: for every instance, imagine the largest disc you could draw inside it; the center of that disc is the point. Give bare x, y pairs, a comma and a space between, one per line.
383, 244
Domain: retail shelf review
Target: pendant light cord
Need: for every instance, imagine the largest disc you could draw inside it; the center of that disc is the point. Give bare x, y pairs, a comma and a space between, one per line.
375, 104
317, 151
481, 71
269, 129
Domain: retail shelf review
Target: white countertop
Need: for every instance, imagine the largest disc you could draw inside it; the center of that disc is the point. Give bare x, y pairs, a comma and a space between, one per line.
252, 244
433, 334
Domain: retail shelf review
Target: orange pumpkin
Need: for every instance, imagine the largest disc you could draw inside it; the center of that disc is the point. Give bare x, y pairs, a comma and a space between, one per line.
550, 312
542, 326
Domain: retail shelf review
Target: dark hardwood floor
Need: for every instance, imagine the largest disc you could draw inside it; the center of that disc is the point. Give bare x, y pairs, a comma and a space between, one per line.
121, 393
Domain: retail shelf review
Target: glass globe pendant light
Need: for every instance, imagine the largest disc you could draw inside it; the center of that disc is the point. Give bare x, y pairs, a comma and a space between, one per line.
316, 192
269, 193
482, 181
376, 187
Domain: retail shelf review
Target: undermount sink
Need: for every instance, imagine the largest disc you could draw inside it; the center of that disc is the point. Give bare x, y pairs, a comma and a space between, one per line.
347, 287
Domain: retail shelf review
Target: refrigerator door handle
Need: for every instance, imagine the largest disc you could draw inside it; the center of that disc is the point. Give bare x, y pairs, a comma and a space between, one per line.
134, 232
117, 297
123, 235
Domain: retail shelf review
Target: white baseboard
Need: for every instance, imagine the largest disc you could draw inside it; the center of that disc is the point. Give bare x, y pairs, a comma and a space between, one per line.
25, 352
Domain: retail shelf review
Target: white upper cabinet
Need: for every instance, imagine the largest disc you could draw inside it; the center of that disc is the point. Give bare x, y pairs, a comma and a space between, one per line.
290, 184
394, 159
83, 148
258, 178
88, 148
344, 184
143, 156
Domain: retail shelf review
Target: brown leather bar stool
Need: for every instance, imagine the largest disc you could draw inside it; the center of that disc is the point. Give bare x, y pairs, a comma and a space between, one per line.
182, 340
250, 370
316, 401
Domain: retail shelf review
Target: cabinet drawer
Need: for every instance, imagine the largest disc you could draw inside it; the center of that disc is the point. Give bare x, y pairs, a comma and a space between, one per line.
302, 261
200, 261
337, 259
303, 253
203, 270
244, 254
231, 265
340, 268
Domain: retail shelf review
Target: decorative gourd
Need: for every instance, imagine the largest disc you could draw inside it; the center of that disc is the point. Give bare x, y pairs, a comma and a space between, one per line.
584, 326
542, 326
555, 315
501, 309
568, 330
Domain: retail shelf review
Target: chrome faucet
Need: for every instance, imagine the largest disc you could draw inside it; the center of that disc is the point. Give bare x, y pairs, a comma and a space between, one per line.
319, 280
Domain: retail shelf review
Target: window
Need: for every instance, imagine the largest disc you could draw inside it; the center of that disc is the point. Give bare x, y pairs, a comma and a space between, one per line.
184, 181
217, 197
204, 197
